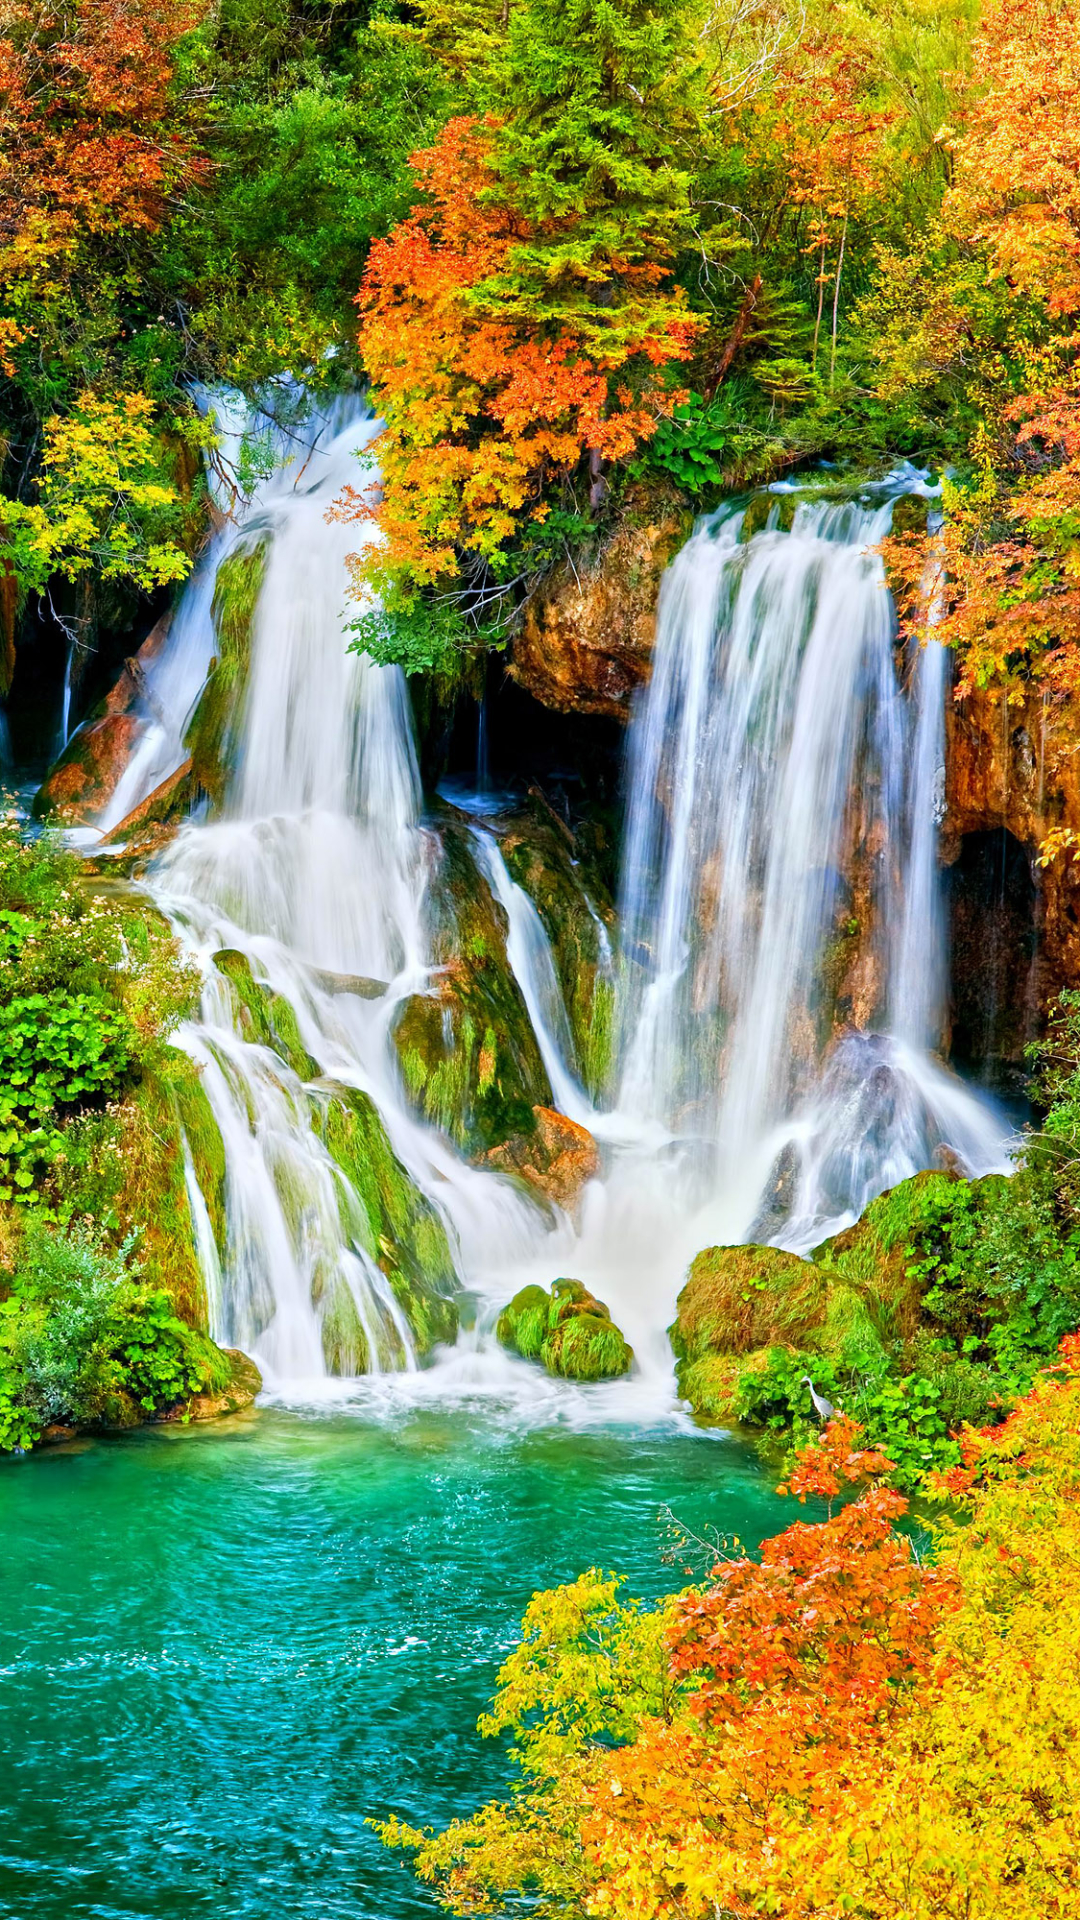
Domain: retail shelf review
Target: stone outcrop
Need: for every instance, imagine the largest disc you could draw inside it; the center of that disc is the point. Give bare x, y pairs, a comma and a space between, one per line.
586, 642
86, 775
245, 1383
556, 1160
467, 1049
1012, 778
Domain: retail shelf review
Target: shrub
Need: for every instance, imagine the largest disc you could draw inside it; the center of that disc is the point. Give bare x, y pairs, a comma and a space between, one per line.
89, 990
85, 1341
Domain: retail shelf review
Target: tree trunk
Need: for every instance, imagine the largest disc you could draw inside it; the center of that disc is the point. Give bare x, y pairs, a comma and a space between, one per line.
735, 337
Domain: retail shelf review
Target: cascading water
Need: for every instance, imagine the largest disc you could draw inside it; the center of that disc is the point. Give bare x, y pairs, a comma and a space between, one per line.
784, 798
784, 803
313, 876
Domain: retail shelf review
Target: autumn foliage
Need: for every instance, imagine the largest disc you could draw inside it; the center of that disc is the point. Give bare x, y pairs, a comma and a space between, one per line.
1009, 553
482, 407
85, 137
840, 1726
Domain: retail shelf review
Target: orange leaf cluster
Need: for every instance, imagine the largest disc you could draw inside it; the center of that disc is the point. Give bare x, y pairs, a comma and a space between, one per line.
802, 1664
481, 409
85, 144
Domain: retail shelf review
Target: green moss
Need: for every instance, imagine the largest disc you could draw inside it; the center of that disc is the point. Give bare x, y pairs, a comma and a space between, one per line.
712, 1383
212, 727
568, 1331
385, 1211
587, 1346
523, 1324
561, 871
739, 1298
874, 1258
264, 1016
468, 1053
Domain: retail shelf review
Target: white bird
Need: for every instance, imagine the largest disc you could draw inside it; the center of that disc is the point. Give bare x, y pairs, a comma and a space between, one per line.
823, 1408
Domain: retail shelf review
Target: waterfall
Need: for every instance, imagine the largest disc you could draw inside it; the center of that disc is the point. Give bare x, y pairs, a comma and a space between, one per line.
783, 812
779, 975
310, 878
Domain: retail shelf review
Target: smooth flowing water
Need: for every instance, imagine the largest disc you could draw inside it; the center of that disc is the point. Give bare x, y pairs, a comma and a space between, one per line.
782, 969
221, 1650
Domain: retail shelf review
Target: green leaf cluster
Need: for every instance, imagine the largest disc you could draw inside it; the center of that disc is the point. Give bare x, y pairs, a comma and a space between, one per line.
88, 992
84, 1341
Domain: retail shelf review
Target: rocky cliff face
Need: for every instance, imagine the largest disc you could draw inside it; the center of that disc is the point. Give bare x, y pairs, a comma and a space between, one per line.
1012, 777
587, 638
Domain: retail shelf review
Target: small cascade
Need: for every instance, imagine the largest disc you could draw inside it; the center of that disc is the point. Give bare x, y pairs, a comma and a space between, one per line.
782, 926
529, 952
306, 892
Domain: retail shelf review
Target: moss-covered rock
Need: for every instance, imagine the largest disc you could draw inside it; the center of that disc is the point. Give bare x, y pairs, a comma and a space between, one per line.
467, 1049
873, 1259
263, 1015
398, 1227
562, 869
568, 1331
212, 728
857, 1302
232, 1390
739, 1298
712, 1382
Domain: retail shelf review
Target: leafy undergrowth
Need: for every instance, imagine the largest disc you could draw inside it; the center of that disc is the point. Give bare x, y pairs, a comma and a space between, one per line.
935, 1310
86, 1341
99, 1283
838, 1727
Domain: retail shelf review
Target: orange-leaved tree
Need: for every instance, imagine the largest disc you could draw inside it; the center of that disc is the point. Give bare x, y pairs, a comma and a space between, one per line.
842, 1727
86, 142
1010, 548
785, 1680
517, 325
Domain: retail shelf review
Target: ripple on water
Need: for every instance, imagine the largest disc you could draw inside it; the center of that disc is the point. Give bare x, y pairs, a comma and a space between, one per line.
221, 1650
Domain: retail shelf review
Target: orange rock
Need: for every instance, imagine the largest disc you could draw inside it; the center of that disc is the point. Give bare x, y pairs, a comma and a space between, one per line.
557, 1160
587, 639
85, 777
1018, 768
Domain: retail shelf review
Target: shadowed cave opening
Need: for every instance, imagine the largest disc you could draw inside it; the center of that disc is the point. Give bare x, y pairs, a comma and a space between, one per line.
992, 903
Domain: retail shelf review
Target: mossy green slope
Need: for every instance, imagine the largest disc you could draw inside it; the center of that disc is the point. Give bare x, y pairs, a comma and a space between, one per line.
213, 724
467, 1049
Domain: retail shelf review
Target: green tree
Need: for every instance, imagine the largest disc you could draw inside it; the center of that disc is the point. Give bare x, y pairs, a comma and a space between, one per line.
600, 109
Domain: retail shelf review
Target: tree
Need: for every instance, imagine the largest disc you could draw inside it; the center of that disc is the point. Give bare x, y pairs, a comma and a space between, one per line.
842, 1728
520, 319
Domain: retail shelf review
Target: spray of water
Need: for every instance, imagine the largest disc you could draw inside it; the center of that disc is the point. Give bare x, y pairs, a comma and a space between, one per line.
773, 750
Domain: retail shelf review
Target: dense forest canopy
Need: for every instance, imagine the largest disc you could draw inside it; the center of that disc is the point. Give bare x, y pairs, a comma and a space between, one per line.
595, 249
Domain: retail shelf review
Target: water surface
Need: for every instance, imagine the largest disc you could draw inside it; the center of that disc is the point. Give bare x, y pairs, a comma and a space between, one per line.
221, 1648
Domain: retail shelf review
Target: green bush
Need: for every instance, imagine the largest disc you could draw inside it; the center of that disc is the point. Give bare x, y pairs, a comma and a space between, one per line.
89, 989
84, 1340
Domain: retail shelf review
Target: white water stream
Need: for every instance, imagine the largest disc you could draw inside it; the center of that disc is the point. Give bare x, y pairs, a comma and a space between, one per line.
773, 745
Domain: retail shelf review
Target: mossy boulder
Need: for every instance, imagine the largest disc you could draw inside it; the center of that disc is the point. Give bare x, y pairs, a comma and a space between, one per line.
385, 1213
213, 726
467, 1049
711, 1383
232, 1391
568, 1331
861, 1294
874, 1259
739, 1298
